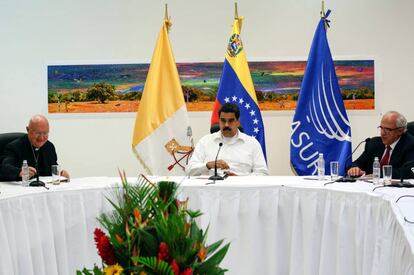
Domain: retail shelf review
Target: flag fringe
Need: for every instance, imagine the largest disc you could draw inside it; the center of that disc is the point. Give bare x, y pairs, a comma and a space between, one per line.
148, 171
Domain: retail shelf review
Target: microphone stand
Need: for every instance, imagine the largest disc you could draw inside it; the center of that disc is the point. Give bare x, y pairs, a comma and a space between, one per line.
37, 182
356, 148
402, 182
348, 178
216, 176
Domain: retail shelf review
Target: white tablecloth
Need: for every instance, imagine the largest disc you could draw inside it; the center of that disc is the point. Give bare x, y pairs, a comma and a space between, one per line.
276, 225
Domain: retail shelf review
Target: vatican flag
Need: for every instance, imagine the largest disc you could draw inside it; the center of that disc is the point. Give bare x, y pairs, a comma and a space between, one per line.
162, 139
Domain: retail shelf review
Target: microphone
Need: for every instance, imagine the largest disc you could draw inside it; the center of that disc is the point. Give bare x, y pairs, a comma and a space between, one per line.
37, 182
348, 178
405, 173
216, 176
356, 148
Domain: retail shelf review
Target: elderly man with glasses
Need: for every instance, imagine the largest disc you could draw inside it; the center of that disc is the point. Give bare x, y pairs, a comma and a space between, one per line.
33, 147
394, 146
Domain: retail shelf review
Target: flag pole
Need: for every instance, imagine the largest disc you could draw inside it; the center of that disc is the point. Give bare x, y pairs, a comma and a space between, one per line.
323, 9
166, 12
167, 18
236, 13
323, 15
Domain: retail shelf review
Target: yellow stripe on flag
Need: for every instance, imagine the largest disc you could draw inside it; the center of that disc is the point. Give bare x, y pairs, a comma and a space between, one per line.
162, 95
239, 62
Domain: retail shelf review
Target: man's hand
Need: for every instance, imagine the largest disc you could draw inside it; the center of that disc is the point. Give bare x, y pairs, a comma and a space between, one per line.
230, 173
32, 172
220, 164
355, 172
64, 173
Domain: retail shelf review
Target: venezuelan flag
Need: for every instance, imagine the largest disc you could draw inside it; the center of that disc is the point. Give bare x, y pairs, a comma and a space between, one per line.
236, 86
162, 138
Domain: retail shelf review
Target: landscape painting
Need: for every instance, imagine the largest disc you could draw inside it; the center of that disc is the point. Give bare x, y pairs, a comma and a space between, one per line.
101, 88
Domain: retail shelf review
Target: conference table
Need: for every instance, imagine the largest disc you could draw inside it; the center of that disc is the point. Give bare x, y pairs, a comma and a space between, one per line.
276, 225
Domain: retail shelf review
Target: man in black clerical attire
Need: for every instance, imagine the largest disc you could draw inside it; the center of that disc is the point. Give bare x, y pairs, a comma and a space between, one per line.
394, 147
33, 147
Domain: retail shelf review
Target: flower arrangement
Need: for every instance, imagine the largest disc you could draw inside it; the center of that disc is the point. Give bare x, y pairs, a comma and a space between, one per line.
151, 232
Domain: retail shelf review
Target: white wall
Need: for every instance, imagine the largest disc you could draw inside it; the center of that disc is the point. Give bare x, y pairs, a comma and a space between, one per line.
36, 33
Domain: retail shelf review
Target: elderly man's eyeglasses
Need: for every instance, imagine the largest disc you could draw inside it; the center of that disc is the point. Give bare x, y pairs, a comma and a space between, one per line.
40, 134
388, 130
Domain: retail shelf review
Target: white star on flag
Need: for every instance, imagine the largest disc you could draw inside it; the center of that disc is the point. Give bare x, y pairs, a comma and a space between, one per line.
255, 121
252, 113
241, 101
247, 106
227, 100
256, 130
234, 98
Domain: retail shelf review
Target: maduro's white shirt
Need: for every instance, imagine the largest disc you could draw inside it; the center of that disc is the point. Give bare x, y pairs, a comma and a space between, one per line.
242, 153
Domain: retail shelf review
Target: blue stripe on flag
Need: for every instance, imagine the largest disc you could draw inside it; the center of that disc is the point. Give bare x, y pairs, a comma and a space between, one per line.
232, 90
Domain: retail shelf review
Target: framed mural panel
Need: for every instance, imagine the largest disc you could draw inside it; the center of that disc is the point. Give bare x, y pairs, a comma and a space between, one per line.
102, 88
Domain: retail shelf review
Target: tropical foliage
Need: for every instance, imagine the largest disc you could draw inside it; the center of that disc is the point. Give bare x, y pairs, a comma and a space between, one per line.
151, 232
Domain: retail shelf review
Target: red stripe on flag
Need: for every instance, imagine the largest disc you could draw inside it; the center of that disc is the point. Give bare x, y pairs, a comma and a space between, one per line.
214, 115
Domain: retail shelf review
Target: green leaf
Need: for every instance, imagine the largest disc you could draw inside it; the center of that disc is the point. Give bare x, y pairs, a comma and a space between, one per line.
212, 262
159, 267
95, 271
213, 247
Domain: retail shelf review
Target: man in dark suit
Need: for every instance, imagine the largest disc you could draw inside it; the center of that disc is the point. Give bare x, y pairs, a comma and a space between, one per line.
33, 147
394, 147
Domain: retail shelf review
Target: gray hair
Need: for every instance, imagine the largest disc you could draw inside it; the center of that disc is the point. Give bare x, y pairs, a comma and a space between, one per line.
401, 121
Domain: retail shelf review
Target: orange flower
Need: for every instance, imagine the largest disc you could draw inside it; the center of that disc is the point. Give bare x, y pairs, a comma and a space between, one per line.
135, 251
137, 216
187, 227
202, 253
119, 239
127, 229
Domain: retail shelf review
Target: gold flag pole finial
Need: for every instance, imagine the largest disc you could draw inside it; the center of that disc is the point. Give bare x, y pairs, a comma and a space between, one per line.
167, 18
323, 9
236, 13
166, 12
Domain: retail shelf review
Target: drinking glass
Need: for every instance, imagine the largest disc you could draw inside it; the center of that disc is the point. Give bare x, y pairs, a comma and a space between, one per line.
56, 174
334, 170
387, 174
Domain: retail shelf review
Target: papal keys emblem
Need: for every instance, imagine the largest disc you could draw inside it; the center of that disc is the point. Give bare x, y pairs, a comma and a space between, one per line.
235, 45
181, 154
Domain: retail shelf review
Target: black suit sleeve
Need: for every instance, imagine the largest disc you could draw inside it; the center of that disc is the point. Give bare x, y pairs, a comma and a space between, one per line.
403, 158
373, 148
11, 164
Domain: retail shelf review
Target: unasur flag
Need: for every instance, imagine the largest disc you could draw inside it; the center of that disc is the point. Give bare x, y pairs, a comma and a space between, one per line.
320, 124
236, 86
162, 139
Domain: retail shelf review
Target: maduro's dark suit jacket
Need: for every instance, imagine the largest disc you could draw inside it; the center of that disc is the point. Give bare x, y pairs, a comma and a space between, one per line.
402, 154
21, 149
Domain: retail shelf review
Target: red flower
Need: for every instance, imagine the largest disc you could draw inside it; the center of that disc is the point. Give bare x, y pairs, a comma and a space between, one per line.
105, 249
187, 271
98, 234
175, 267
163, 252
